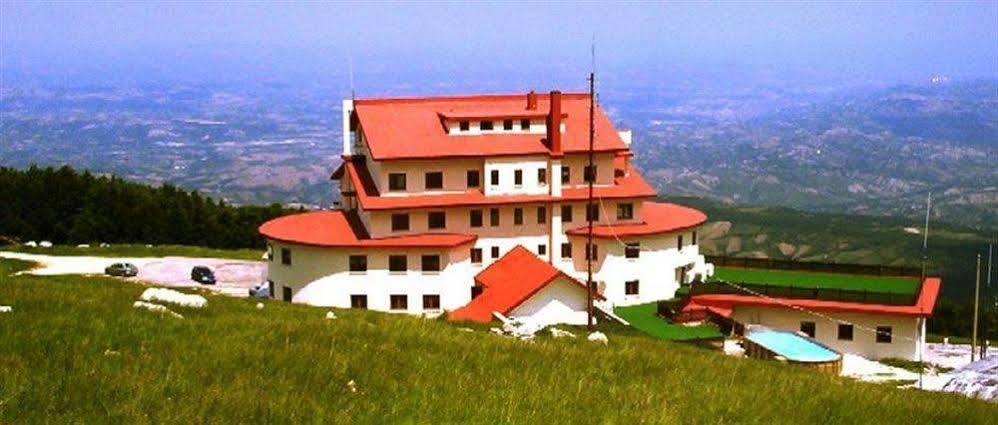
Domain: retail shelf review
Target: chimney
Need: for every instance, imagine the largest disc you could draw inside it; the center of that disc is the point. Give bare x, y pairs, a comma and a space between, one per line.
554, 124
531, 100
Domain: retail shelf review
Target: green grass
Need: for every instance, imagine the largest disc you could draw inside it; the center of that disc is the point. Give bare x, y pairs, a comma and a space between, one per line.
644, 317
135, 250
74, 350
805, 279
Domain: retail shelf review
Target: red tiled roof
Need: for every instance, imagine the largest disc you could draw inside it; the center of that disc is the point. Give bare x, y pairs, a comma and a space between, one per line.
509, 282
923, 306
340, 229
656, 217
630, 186
412, 129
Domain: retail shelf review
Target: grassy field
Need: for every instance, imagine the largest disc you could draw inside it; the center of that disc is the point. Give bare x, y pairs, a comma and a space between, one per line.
141, 251
807, 279
74, 350
644, 317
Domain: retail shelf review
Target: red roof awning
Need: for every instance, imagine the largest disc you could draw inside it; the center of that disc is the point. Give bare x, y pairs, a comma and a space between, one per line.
343, 229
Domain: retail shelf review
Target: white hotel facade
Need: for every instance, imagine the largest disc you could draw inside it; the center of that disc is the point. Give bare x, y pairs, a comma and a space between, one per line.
436, 190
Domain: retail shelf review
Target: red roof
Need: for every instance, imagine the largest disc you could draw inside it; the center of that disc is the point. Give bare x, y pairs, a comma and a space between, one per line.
922, 308
509, 282
630, 186
656, 217
343, 229
411, 128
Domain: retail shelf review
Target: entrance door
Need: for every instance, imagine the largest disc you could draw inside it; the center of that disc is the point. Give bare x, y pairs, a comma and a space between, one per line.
287, 294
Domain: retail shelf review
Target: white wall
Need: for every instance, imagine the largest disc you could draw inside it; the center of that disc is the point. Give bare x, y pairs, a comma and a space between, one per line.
560, 302
321, 276
537, 126
507, 167
905, 330
455, 173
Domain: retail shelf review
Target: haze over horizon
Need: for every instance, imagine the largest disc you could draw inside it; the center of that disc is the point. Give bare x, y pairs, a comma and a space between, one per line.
165, 42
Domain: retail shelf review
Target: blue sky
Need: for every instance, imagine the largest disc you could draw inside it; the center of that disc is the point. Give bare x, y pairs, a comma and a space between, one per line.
884, 39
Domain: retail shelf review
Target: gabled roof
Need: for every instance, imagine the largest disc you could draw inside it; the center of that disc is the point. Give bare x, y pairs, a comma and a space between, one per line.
337, 228
509, 282
412, 128
632, 185
656, 218
923, 305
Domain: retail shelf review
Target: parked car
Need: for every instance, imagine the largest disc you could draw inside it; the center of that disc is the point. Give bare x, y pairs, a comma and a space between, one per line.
121, 269
262, 290
203, 275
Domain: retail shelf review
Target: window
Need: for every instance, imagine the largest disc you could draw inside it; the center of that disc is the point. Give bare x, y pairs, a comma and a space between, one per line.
524, 124
625, 211
679, 242
566, 250
358, 263
566, 174
286, 293
399, 302
631, 287
542, 176
358, 301
398, 263
270, 253
494, 177
486, 125
592, 212
517, 216
434, 180
436, 220
474, 179
592, 252
431, 302
845, 332
476, 291
518, 177
400, 222
542, 249
589, 173
566, 213
396, 181
286, 256
632, 250
431, 263
681, 275
464, 125
476, 256
495, 252
475, 218
693, 240
507, 125
494, 216
542, 215
807, 328
884, 334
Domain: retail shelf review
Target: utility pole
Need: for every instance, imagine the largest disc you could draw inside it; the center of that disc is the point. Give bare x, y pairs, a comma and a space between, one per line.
977, 295
925, 235
590, 175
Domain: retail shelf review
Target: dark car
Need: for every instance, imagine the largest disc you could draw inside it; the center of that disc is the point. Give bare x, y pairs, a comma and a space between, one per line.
203, 275
121, 269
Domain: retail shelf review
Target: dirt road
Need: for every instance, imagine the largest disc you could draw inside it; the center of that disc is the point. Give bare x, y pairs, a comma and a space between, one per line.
235, 277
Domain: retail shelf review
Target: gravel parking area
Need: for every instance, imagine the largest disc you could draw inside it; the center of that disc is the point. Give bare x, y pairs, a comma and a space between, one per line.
235, 277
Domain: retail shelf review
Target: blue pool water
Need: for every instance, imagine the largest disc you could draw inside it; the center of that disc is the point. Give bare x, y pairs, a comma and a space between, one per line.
792, 346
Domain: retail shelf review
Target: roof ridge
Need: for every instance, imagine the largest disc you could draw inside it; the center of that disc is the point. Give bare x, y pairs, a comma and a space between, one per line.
458, 97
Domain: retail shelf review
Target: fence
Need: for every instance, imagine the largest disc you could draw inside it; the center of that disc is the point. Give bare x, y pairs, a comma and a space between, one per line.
767, 263
811, 293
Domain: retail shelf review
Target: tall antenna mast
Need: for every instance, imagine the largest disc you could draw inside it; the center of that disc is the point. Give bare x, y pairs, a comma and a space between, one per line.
590, 176
925, 235
353, 96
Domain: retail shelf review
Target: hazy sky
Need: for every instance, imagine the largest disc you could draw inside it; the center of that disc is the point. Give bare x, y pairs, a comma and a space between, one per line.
882, 39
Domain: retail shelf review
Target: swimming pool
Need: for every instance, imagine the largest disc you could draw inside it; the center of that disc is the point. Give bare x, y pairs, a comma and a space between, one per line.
767, 343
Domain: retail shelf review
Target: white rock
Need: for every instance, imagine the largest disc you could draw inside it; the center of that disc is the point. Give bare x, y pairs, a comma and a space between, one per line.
31, 244
45, 244
148, 245
467, 330
5, 309
174, 297
497, 331
259, 306
83, 245
330, 315
558, 333
598, 337
352, 386
104, 245
156, 308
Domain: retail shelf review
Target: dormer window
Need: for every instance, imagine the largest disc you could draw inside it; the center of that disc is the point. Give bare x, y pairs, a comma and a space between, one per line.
464, 126
507, 125
486, 125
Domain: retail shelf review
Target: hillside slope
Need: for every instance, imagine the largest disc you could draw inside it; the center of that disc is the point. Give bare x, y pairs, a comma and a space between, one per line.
74, 349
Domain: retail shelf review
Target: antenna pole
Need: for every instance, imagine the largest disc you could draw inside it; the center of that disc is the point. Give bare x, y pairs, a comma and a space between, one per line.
590, 176
925, 236
977, 295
